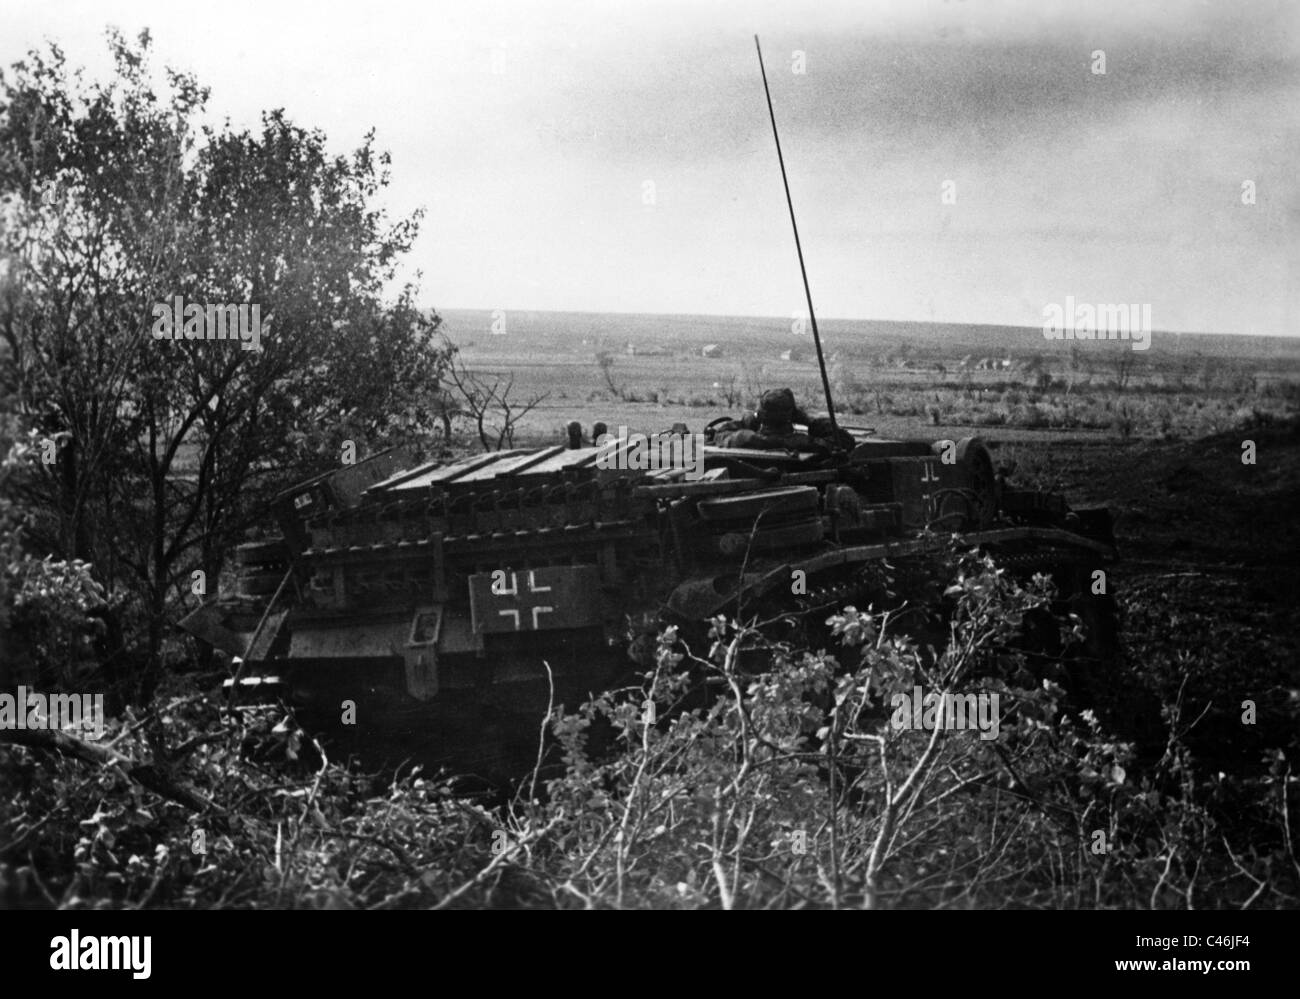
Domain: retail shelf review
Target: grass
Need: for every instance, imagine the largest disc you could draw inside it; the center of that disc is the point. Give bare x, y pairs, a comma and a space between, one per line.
903, 379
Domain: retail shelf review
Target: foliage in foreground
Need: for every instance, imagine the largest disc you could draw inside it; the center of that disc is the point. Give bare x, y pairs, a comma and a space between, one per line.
782, 788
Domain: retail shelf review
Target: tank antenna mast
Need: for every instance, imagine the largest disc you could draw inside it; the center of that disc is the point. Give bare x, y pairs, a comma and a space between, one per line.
812, 316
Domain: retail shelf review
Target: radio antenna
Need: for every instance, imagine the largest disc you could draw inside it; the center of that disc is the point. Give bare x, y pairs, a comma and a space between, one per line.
812, 316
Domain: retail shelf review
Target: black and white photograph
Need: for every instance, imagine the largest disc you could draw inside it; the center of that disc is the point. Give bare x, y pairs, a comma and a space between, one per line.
650, 455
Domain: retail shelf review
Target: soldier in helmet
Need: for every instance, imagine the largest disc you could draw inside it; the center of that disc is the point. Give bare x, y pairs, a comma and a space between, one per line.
773, 426
778, 413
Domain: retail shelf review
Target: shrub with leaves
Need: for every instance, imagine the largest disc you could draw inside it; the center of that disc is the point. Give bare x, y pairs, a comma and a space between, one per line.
46, 627
745, 774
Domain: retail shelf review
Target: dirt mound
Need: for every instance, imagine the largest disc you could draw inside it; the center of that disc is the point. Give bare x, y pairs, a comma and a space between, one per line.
1205, 501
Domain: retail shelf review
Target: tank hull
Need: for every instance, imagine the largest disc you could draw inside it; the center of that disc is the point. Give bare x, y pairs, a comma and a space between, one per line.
445, 606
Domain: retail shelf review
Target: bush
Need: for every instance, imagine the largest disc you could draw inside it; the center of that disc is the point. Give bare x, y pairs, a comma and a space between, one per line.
1031, 416
792, 785
46, 604
1123, 423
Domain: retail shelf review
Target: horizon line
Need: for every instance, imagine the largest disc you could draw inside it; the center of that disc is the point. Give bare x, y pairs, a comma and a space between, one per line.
824, 319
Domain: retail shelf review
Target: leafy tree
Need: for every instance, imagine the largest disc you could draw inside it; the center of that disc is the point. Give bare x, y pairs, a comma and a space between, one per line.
115, 199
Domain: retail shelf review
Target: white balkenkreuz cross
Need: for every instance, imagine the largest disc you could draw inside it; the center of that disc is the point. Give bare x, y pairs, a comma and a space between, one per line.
515, 613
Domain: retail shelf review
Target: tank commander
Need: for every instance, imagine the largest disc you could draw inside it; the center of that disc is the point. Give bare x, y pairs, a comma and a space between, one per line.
772, 426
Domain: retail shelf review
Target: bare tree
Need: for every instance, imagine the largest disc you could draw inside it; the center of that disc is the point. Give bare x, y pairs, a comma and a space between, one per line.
1077, 366
754, 376
487, 403
605, 361
732, 391
445, 406
1122, 363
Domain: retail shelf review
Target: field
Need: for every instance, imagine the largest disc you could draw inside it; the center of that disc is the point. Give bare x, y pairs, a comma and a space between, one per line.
1007, 383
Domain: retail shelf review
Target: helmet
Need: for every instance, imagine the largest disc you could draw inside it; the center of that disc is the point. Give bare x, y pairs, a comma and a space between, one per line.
777, 411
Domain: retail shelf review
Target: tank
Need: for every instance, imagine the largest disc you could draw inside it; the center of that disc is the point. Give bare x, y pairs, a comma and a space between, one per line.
450, 604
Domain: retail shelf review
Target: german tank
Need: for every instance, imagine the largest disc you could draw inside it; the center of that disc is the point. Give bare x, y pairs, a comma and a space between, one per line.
455, 600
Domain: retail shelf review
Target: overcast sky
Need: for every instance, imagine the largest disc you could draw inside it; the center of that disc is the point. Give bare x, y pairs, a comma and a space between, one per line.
529, 132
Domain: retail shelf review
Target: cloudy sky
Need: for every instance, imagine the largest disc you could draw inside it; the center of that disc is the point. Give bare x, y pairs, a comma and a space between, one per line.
617, 156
